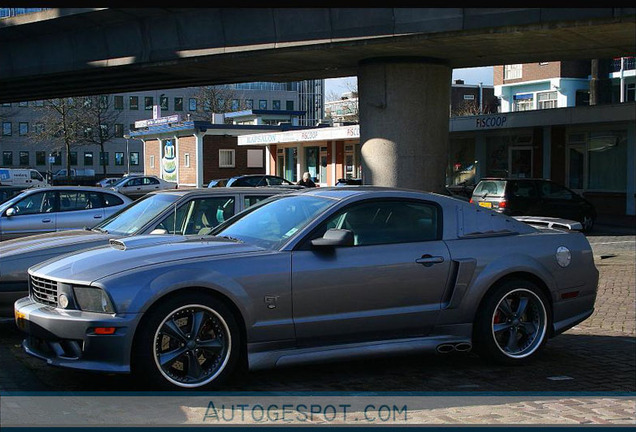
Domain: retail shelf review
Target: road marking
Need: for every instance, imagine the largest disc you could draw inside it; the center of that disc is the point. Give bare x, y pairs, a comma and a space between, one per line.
626, 241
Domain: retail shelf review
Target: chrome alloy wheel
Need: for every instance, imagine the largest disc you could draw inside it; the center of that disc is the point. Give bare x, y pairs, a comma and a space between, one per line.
192, 346
519, 323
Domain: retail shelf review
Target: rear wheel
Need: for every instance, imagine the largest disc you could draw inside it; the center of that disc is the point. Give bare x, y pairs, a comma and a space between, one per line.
513, 322
189, 341
587, 221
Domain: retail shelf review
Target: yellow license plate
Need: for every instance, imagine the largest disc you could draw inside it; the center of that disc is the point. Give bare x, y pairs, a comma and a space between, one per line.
485, 204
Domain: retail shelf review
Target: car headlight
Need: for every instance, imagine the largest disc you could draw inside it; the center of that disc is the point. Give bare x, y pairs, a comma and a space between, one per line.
91, 299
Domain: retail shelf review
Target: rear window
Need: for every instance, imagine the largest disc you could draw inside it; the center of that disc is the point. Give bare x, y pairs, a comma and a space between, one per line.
490, 188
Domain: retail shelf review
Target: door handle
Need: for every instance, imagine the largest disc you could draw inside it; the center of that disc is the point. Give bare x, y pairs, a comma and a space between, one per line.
46, 220
429, 260
97, 216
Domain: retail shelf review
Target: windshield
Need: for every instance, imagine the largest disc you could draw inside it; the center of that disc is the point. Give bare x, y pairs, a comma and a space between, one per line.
271, 223
131, 219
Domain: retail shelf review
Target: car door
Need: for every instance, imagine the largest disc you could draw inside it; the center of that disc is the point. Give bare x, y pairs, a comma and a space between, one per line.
199, 215
389, 284
150, 184
560, 202
78, 209
33, 214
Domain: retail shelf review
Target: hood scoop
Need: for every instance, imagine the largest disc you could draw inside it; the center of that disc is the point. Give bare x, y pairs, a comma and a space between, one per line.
137, 242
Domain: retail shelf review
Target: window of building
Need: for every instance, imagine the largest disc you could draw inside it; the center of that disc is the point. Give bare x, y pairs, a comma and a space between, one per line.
178, 104
6, 128
630, 94
255, 158
186, 160
207, 105
103, 102
56, 157
24, 158
134, 158
249, 104
38, 103
523, 102
103, 158
276, 104
547, 100
118, 102
226, 158
103, 130
192, 104
23, 128
40, 158
596, 160
133, 102
469, 97
119, 130
148, 103
163, 102
262, 104
119, 158
7, 158
73, 158
23, 104
289, 105
6, 104
152, 161
512, 71
235, 105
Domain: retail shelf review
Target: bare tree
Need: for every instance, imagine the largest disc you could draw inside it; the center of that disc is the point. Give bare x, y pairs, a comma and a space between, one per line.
59, 126
216, 100
99, 120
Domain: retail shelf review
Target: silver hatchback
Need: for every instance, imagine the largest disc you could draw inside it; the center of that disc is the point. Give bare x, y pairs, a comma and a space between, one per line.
57, 208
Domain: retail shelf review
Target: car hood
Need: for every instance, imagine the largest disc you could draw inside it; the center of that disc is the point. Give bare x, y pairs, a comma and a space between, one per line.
128, 253
45, 243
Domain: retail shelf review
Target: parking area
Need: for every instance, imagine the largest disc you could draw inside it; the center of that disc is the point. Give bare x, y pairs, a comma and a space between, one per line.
599, 355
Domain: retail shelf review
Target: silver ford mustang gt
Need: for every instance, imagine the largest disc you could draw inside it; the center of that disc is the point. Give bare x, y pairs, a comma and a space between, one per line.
314, 275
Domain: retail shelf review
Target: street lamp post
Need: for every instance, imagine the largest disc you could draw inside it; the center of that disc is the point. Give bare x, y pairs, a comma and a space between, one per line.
127, 155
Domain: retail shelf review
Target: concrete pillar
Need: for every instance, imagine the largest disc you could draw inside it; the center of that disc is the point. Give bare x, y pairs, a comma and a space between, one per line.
481, 157
199, 160
547, 152
631, 170
404, 116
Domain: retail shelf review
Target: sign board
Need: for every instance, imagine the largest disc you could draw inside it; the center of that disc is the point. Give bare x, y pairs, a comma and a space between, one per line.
158, 121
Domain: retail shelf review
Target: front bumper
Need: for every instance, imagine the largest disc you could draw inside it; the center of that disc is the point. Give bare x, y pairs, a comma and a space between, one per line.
67, 338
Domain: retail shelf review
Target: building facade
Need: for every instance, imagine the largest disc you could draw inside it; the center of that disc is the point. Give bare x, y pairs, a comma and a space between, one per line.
19, 150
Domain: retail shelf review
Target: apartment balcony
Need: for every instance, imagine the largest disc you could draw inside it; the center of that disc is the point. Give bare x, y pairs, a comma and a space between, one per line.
629, 63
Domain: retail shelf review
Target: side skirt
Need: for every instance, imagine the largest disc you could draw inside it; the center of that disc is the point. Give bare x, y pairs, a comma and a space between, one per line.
298, 356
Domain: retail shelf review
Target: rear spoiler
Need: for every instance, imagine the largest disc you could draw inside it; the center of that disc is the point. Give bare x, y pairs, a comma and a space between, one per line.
550, 222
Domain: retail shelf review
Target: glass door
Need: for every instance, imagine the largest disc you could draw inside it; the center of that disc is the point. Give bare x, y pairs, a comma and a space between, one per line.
311, 159
520, 162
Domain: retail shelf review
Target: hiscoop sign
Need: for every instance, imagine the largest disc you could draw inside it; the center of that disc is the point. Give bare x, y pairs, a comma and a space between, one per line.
489, 122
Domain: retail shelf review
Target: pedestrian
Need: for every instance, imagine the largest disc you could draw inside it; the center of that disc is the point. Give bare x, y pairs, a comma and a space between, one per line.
306, 181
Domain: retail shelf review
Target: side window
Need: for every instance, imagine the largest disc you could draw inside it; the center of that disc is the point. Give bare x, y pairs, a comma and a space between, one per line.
274, 181
111, 200
70, 200
251, 181
199, 216
522, 189
134, 182
385, 222
150, 180
555, 191
250, 200
33, 204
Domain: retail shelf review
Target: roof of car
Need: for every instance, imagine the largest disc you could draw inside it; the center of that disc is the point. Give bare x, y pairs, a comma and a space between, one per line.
223, 190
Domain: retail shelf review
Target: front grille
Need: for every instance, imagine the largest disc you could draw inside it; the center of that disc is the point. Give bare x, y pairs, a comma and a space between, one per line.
44, 291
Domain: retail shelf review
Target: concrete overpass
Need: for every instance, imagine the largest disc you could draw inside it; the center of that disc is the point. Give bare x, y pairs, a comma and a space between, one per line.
403, 58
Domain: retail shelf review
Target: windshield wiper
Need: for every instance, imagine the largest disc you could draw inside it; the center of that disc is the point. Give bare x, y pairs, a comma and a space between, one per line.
101, 230
231, 238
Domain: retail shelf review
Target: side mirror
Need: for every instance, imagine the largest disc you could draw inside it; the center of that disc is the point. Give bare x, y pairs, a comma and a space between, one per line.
10, 212
333, 238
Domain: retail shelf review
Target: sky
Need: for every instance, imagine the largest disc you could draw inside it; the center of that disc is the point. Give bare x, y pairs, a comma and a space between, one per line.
469, 75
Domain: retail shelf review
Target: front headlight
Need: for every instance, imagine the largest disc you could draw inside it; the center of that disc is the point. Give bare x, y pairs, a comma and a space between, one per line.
91, 299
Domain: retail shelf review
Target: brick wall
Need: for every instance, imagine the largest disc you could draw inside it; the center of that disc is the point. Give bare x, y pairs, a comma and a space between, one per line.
187, 175
211, 146
540, 71
151, 148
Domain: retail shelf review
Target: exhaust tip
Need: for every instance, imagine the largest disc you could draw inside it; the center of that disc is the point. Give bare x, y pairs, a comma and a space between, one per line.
463, 347
445, 348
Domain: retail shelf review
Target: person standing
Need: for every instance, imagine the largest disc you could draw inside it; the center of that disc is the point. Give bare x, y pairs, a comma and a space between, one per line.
306, 181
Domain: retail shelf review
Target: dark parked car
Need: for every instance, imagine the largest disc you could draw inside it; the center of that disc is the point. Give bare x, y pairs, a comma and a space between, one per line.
258, 180
217, 183
313, 275
186, 211
534, 197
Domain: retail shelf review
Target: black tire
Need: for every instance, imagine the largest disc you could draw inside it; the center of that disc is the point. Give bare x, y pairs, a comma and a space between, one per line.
190, 341
513, 322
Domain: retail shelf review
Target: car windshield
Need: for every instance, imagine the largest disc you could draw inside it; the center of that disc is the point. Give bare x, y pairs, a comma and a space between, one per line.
273, 222
487, 188
132, 218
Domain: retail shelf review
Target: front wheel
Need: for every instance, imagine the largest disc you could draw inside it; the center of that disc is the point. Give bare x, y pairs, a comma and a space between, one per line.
513, 322
190, 341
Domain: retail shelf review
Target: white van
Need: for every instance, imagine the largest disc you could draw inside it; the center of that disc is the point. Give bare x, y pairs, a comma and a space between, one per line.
21, 177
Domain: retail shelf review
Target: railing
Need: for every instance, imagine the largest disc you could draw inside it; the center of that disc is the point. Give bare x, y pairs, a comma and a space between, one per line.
629, 63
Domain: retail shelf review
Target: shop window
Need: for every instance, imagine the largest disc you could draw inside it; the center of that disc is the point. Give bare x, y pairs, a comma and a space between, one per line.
597, 160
